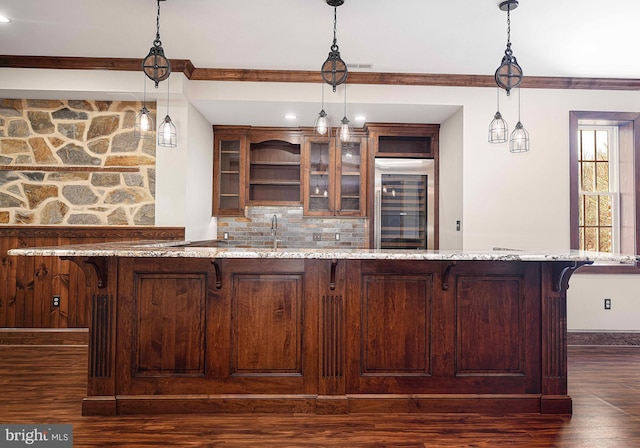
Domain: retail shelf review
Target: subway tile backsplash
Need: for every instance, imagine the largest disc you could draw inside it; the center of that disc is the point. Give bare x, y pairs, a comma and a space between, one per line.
293, 230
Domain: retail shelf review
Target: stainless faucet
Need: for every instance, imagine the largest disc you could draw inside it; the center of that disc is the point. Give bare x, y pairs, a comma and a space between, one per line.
274, 228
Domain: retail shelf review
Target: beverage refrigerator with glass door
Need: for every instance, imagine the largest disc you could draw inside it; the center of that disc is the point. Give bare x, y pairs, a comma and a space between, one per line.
404, 203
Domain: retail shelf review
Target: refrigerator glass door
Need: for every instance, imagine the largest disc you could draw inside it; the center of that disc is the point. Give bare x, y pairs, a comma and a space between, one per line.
404, 207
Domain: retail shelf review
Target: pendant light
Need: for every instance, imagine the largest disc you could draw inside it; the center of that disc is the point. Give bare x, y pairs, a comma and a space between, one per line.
156, 67
345, 131
498, 128
322, 122
519, 141
334, 69
508, 76
143, 127
167, 136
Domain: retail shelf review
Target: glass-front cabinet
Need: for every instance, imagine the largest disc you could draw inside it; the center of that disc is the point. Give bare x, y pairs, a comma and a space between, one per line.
229, 174
334, 179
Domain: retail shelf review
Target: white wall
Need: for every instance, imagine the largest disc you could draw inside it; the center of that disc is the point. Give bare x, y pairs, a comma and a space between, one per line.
503, 199
199, 223
585, 304
451, 182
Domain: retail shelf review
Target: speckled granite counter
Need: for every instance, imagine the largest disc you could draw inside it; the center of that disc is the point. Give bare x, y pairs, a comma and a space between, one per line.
187, 327
215, 249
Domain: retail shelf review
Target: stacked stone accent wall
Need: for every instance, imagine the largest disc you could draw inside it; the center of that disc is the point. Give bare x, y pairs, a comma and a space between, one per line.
66, 162
293, 231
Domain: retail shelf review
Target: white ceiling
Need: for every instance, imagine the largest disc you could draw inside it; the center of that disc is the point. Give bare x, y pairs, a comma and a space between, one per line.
566, 38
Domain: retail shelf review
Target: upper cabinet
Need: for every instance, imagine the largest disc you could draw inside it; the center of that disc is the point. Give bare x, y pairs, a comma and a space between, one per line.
274, 168
229, 149
255, 166
334, 180
404, 140
294, 166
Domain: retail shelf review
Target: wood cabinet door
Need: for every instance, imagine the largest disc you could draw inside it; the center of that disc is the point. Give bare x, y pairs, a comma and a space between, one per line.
318, 182
479, 334
178, 333
351, 177
229, 173
334, 177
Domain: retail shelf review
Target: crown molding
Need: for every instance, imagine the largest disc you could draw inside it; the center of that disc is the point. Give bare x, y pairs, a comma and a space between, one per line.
404, 79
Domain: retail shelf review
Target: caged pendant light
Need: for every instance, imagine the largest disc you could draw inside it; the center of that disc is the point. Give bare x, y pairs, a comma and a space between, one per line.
498, 128
519, 141
508, 76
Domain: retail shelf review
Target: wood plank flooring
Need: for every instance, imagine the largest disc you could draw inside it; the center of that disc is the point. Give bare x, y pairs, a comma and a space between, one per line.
45, 384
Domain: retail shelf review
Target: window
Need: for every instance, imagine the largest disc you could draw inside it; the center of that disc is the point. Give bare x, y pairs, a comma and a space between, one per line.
603, 173
598, 198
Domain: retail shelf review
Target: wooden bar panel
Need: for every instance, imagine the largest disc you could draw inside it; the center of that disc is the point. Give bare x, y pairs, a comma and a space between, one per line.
170, 324
396, 317
31, 282
490, 325
267, 331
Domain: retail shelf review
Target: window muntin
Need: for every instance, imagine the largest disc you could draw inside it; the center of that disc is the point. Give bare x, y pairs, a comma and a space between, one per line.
598, 204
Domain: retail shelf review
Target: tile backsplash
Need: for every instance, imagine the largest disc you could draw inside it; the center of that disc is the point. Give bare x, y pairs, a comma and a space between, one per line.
293, 230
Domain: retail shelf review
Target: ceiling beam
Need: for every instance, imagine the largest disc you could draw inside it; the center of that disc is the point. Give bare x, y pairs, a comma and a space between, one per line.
406, 79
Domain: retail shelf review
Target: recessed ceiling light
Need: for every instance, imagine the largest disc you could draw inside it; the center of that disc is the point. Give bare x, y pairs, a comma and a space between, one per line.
290, 116
4, 19
359, 118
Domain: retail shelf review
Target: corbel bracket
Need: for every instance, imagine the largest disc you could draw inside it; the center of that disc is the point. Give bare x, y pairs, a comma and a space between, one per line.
447, 273
99, 265
332, 279
562, 274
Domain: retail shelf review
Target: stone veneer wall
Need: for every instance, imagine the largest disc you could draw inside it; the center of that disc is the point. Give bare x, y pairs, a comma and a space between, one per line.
75, 163
294, 230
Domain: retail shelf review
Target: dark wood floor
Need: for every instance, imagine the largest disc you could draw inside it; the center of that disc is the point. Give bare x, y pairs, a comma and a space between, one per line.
45, 384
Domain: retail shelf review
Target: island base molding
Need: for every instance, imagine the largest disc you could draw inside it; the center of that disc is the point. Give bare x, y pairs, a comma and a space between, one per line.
327, 405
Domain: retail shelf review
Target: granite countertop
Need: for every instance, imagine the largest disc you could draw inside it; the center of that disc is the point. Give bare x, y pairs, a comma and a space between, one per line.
217, 249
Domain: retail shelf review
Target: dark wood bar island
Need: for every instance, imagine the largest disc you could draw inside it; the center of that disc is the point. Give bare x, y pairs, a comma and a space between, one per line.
178, 328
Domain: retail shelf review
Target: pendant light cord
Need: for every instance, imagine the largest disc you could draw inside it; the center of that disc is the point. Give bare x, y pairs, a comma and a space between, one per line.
168, 90
509, 25
335, 23
144, 92
158, 23
519, 94
345, 100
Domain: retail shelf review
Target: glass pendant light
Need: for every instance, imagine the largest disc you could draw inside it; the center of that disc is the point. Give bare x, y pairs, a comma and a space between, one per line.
143, 127
167, 136
322, 122
345, 131
519, 141
498, 128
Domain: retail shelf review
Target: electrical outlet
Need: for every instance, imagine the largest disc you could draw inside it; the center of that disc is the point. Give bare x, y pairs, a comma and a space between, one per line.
337, 236
55, 301
317, 237
225, 236
607, 304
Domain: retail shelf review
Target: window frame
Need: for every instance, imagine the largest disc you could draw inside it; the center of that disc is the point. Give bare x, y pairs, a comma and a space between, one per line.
628, 124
